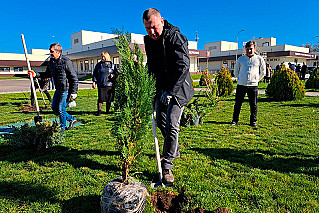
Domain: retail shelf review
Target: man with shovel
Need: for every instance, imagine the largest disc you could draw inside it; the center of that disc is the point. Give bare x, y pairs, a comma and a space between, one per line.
66, 84
168, 60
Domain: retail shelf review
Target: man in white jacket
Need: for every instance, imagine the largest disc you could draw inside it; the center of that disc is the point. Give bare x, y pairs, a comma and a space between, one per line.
249, 70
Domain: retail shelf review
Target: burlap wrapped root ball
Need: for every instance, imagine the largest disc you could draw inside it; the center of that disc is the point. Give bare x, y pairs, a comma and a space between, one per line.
119, 198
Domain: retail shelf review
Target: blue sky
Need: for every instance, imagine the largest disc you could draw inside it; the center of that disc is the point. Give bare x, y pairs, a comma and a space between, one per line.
44, 22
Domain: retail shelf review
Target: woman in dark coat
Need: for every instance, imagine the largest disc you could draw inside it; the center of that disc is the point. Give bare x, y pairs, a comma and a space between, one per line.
104, 75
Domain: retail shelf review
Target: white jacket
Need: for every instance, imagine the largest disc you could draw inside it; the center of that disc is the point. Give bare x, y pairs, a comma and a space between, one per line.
250, 70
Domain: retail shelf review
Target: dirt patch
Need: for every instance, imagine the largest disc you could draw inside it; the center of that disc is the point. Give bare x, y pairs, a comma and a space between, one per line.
168, 201
29, 108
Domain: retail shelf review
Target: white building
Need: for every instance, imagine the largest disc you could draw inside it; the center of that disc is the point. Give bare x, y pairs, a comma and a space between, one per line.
87, 47
15, 64
224, 53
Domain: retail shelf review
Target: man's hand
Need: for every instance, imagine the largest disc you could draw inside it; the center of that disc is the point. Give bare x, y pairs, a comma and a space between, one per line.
31, 73
93, 85
73, 96
166, 98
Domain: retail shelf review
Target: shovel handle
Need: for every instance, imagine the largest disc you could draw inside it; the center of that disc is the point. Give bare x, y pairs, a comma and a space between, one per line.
157, 153
31, 77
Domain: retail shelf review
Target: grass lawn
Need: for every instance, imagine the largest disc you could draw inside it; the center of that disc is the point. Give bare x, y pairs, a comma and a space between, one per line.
274, 168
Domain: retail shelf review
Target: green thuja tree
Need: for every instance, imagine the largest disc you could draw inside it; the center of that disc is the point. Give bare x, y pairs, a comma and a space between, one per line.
313, 81
134, 95
285, 85
225, 85
205, 78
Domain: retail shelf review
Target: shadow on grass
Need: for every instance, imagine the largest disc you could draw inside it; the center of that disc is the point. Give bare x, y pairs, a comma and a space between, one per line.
301, 105
26, 192
76, 158
258, 159
81, 204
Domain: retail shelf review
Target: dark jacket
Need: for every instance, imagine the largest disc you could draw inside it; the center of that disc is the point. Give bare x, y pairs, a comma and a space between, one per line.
63, 73
172, 70
102, 72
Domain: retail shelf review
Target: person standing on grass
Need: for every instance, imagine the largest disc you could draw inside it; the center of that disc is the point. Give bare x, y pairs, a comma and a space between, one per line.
168, 60
104, 75
303, 71
66, 84
249, 70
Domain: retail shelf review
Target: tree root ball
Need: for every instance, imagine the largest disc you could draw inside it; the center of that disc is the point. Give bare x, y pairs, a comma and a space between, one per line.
118, 197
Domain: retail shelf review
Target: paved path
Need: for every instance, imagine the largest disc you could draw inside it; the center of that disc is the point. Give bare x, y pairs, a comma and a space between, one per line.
23, 85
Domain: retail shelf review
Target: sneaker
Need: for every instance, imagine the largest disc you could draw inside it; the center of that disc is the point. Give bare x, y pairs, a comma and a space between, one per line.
72, 124
253, 124
168, 177
233, 123
62, 130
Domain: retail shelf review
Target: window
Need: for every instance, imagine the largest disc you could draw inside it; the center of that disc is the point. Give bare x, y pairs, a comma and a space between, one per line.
266, 44
225, 63
232, 65
5, 69
212, 48
18, 69
86, 65
75, 41
81, 65
116, 61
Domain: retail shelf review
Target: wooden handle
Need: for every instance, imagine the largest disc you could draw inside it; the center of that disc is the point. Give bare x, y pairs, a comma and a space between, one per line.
158, 158
31, 77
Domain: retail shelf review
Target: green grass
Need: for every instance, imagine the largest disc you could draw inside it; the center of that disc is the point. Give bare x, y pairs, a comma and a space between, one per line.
274, 168
14, 77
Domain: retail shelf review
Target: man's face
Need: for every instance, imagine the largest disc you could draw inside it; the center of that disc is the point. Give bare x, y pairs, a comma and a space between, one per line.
154, 27
54, 54
250, 51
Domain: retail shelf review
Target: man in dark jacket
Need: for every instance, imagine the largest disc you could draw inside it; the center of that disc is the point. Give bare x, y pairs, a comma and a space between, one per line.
66, 83
303, 71
168, 60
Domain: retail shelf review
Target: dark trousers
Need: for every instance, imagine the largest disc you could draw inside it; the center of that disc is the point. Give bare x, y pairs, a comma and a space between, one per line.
252, 92
168, 119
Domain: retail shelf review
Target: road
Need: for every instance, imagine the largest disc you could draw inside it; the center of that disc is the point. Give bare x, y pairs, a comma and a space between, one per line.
23, 85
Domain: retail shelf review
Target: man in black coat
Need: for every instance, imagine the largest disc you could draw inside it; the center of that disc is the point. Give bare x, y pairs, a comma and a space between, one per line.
66, 84
168, 60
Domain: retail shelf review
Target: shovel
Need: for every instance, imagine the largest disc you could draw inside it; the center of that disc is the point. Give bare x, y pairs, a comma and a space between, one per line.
37, 118
157, 153
45, 104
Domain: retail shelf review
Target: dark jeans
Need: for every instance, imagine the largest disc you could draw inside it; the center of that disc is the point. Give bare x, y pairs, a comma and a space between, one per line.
168, 119
252, 92
59, 104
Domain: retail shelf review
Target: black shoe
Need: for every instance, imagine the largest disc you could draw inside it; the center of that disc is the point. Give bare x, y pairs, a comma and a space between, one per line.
72, 124
233, 123
253, 124
168, 177
98, 113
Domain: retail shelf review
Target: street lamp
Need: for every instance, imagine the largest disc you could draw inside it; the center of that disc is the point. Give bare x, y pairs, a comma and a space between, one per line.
311, 42
237, 42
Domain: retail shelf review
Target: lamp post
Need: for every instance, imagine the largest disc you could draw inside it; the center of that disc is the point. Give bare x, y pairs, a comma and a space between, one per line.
237, 42
311, 42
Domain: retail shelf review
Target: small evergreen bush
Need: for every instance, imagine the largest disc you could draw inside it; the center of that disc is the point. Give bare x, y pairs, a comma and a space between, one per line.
225, 85
313, 81
205, 78
134, 94
285, 86
41, 136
